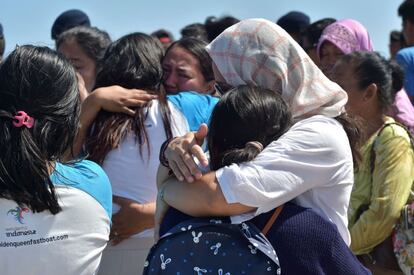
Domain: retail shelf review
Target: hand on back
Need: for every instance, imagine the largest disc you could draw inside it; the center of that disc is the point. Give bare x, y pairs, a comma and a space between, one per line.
181, 152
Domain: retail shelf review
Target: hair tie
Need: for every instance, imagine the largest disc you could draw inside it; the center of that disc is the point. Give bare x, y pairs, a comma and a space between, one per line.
255, 144
23, 119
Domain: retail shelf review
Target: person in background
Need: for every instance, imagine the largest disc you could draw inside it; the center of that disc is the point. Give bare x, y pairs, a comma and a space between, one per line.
401, 109
405, 57
164, 36
384, 180
196, 30
187, 67
85, 48
215, 26
406, 12
340, 38
2, 43
335, 42
311, 35
397, 42
56, 215
67, 20
294, 23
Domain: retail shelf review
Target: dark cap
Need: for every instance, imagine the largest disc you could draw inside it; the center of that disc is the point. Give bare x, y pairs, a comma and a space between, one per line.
164, 36
294, 21
68, 20
1, 30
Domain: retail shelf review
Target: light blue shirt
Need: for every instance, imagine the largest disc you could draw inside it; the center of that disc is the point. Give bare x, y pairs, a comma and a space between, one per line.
196, 108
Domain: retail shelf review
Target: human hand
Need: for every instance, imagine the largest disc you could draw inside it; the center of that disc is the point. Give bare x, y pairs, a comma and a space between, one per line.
180, 154
130, 220
117, 99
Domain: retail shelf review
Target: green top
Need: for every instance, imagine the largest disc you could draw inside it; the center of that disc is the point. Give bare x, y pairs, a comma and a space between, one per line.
378, 197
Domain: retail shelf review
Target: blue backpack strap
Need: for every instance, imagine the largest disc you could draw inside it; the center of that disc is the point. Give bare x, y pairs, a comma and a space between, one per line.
196, 108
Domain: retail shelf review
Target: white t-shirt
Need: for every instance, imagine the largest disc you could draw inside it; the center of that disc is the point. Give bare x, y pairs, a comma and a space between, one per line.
311, 163
70, 242
132, 175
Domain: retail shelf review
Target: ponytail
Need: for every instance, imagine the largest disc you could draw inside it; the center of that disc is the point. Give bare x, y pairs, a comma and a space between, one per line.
23, 168
353, 129
248, 153
38, 81
397, 74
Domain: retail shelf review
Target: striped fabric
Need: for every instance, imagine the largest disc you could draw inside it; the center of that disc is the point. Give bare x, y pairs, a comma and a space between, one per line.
258, 52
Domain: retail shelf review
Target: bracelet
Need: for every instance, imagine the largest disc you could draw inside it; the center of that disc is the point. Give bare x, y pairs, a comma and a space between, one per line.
164, 146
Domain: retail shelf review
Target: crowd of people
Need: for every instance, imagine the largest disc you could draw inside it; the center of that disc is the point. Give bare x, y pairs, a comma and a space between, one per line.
107, 146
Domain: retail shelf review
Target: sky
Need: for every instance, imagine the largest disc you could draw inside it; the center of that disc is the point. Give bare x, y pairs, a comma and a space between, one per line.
30, 21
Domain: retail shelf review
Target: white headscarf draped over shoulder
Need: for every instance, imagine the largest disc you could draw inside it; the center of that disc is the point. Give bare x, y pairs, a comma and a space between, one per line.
259, 52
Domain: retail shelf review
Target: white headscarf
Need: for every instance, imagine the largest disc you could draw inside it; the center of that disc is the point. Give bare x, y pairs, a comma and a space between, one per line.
259, 52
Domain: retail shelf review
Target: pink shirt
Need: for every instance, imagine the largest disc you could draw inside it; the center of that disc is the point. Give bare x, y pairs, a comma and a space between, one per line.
403, 111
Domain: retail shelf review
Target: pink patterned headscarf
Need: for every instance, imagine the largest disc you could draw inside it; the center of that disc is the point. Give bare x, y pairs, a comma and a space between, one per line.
348, 35
259, 52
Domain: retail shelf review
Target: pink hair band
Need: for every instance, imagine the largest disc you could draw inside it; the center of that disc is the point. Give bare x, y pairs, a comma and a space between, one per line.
23, 119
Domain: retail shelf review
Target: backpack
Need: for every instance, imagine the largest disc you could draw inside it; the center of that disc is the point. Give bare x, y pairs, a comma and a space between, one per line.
212, 246
403, 240
403, 235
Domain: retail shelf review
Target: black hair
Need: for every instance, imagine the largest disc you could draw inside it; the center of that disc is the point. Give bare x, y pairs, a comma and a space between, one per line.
397, 36
133, 61
40, 82
162, 33
406, 10
245, 114
215, 26
93, 41
353, 127
314, 31
197, 48
2, 46
371, 67
2, 42
397, 75
196, 30
294, 22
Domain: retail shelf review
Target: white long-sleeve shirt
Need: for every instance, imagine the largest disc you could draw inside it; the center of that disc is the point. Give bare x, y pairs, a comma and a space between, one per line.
311, 163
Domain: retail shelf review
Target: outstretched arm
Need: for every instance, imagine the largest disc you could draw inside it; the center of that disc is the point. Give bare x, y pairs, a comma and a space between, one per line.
202, 197
113, 99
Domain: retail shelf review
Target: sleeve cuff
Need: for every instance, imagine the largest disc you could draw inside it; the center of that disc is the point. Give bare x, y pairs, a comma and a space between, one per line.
226, 177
